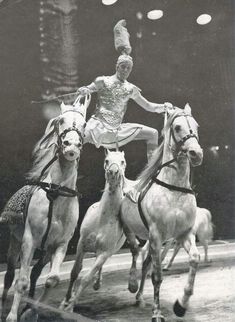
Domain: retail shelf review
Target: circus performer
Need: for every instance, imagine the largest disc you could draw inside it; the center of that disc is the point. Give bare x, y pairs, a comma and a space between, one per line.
105, 127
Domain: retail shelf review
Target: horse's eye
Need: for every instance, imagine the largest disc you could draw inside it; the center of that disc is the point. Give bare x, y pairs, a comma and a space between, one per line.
177, 128
106, 162
122, 162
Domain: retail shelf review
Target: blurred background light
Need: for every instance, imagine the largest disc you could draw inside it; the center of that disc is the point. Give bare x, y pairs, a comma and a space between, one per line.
155, 14
108, 2
139, 34
203, 19
139, 15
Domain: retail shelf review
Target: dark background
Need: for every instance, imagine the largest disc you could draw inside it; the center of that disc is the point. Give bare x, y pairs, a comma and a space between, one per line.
175, 60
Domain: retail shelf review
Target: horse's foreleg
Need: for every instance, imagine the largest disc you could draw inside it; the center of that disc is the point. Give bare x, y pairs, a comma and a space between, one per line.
175, 252
27, 251
87, 279
205, 246
189, 245
155, 251
35, 273
53, 276
98, 280
166, 248
77, 267
12, 259
145, 268
134, 248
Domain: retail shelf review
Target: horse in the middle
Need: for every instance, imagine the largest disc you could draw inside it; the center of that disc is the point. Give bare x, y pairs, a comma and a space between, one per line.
101, 231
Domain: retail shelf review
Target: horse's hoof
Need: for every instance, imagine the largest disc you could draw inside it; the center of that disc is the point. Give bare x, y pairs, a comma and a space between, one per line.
30, 315
63, 304
96, 286
133, 286
158, 319
140, 303
69, 308
179, 310
52, 281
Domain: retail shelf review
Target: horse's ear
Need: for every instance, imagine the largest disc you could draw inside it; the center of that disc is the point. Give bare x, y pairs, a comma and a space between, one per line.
123, 153
82, 103
62, 107
106, 152
187, 109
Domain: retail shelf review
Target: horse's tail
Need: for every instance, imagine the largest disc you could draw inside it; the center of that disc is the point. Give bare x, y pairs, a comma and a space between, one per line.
210, 226
206, 227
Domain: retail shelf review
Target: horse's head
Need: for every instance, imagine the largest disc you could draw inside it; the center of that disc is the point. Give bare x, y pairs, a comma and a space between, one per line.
67, 130
184, 135
114, 166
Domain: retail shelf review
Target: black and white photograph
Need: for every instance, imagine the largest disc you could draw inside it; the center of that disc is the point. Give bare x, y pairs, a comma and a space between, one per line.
117, 160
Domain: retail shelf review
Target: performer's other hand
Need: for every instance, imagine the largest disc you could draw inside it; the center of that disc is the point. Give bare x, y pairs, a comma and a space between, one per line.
83, 91
168, 106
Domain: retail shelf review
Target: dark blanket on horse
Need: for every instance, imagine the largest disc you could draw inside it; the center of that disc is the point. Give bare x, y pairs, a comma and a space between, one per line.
14, 211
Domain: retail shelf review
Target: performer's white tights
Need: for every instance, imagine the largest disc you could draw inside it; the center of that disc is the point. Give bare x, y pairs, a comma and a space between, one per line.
150, 135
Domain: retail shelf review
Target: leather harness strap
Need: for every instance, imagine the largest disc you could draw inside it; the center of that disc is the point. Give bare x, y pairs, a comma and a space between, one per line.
172, 187
53, 191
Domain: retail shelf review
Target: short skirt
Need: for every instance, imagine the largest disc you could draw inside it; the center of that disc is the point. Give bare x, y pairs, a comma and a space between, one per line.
101, 134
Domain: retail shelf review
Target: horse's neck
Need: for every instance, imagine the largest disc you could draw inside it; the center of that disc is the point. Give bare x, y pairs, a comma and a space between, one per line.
111, 198
64, 173
178, 172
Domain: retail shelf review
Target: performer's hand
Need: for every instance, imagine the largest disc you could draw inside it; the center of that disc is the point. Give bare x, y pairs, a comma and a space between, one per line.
83, 91
168, 106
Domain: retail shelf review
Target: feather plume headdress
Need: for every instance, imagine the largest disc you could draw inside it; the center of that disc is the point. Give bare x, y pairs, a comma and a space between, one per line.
122, 42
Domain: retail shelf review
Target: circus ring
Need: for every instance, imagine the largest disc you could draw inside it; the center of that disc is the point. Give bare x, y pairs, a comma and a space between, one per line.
213, 299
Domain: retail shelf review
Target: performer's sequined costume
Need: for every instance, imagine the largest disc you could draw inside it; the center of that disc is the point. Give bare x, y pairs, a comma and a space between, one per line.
105, 127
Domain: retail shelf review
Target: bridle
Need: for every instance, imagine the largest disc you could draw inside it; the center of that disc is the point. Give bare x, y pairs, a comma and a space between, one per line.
72, 128
191, 134
119, 169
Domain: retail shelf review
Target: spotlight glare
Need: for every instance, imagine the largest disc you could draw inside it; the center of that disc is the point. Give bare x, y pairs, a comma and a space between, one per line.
108, 2
139, 34
203, 19
139, 15
155, 14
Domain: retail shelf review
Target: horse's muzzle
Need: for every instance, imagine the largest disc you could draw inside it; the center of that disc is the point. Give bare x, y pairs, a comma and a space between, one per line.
71, 154
195, 157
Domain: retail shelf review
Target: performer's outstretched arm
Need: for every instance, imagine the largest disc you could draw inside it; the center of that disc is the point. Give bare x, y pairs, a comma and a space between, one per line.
149, 106
89, 89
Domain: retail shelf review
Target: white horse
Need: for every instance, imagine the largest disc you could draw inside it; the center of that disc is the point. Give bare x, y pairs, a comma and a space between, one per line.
166, 207
52, 209
202, 228
101, 231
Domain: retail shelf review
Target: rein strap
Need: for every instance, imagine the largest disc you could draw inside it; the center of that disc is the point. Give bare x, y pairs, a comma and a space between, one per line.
172, 187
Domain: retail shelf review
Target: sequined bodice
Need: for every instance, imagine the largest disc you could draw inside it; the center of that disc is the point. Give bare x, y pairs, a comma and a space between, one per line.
112, 100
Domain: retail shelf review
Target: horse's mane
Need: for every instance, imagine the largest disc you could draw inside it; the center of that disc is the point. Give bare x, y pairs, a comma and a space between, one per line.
44, 150
156, 160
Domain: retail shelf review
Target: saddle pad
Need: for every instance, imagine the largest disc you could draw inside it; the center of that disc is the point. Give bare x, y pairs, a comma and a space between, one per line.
15, 207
